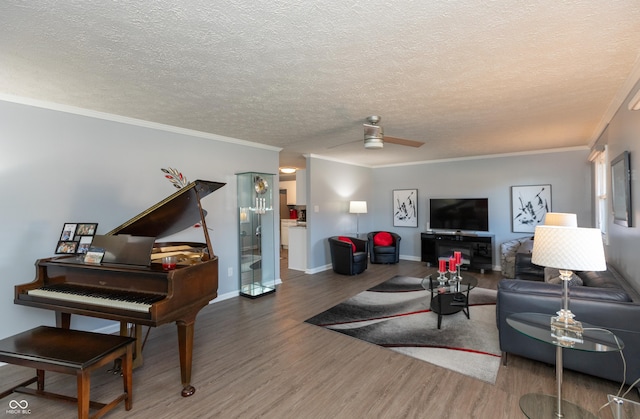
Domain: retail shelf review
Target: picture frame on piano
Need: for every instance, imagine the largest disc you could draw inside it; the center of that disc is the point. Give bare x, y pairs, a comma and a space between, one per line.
79, 233
86, 229
66, 247
83, 244
94, 255
68, 232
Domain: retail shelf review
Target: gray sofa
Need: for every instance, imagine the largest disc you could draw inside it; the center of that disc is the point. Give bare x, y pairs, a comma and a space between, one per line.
605, 299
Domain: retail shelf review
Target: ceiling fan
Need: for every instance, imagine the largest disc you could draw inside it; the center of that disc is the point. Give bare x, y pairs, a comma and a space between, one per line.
374, 135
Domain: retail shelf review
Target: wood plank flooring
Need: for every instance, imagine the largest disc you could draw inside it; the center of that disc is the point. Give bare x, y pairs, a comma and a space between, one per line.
258, 359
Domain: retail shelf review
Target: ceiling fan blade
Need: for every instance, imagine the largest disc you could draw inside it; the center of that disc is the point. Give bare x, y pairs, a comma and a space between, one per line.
402, 141
340, 145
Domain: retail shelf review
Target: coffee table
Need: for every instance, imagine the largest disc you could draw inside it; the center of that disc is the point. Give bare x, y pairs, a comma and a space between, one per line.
594, 339
450, 299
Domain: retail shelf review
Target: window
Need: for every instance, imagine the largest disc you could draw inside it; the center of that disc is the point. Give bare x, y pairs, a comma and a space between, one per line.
600, 195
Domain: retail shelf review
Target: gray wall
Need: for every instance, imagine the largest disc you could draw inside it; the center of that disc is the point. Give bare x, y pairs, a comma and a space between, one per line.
624, 135
60, 167
567, 172
333, 185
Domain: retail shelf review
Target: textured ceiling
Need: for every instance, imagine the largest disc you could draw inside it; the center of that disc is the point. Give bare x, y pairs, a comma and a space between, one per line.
466, 77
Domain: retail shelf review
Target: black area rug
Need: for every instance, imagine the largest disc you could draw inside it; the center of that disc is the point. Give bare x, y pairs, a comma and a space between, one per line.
396, 315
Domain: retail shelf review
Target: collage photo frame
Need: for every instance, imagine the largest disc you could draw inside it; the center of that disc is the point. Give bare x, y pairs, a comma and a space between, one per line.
76, 238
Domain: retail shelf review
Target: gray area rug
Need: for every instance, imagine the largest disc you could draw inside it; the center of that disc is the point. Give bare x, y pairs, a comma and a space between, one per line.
396, 315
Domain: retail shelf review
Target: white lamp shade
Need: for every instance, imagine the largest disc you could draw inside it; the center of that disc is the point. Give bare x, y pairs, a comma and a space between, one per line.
568, 248
358, 207
561, 219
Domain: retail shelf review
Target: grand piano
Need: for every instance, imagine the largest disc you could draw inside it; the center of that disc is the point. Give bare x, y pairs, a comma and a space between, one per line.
139, 294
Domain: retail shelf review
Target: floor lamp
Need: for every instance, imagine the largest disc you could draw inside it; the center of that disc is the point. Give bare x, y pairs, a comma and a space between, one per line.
357, 208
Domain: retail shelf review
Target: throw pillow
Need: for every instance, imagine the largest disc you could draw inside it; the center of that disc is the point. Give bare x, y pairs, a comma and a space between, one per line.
348, 240
383, 239
552, 276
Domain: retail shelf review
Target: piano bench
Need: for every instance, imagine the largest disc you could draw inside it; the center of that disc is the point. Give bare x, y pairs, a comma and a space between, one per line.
69, 352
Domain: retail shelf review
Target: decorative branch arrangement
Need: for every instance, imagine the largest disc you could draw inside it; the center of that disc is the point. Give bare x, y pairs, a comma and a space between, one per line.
175, 177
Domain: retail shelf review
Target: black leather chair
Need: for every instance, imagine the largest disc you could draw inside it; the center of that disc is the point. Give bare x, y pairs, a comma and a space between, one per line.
344, 259
384, 254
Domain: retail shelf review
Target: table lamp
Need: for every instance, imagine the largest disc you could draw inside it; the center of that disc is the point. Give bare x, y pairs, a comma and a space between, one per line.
561, 219
568, 249
357, 207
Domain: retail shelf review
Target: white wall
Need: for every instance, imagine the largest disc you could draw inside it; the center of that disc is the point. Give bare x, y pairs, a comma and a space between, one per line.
59, 167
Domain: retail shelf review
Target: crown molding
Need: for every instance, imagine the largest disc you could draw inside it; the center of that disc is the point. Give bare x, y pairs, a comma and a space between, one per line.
131, 121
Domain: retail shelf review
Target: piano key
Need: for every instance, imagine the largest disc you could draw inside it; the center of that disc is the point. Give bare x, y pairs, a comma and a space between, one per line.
90, 299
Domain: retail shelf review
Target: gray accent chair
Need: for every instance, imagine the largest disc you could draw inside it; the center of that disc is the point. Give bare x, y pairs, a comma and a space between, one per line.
510, 250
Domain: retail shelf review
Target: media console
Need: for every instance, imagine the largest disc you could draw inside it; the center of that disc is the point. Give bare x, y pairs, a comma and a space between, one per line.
477, 253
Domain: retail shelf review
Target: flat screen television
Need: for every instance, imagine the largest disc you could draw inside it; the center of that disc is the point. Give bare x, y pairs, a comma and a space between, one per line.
470, 214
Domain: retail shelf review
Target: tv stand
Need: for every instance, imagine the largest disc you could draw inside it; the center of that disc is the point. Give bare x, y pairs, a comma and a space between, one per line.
477, 249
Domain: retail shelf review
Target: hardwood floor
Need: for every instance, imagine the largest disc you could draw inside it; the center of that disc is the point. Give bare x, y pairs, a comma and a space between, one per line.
257, 358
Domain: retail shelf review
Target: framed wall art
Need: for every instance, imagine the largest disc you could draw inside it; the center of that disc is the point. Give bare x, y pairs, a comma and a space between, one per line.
529, 205
621, 189
405, 208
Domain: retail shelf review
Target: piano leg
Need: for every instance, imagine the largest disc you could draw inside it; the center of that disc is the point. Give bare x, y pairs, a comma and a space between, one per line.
185, 346
63, 320
138, 360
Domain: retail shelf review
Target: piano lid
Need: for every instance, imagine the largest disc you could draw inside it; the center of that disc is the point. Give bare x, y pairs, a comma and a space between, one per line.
172, 215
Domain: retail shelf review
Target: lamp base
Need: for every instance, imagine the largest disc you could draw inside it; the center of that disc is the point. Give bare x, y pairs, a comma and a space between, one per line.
565, 328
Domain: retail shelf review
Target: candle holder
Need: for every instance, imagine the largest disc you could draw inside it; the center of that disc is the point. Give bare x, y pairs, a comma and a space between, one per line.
442, 278
454, 283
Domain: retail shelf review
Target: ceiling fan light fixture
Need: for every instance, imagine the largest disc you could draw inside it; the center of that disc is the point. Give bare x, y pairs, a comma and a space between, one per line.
373, 143
373, 133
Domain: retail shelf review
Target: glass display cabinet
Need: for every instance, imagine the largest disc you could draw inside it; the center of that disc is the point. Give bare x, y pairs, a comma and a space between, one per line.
256, 234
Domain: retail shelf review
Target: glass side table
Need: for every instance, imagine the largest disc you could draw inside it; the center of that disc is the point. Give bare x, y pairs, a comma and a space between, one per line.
623, 408
594, 339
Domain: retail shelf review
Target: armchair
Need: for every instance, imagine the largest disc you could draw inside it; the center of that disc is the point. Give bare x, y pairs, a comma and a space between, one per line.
384, 248
515, 258
348, 255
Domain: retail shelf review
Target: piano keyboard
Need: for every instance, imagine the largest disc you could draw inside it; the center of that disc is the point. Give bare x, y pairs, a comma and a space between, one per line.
133, 301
